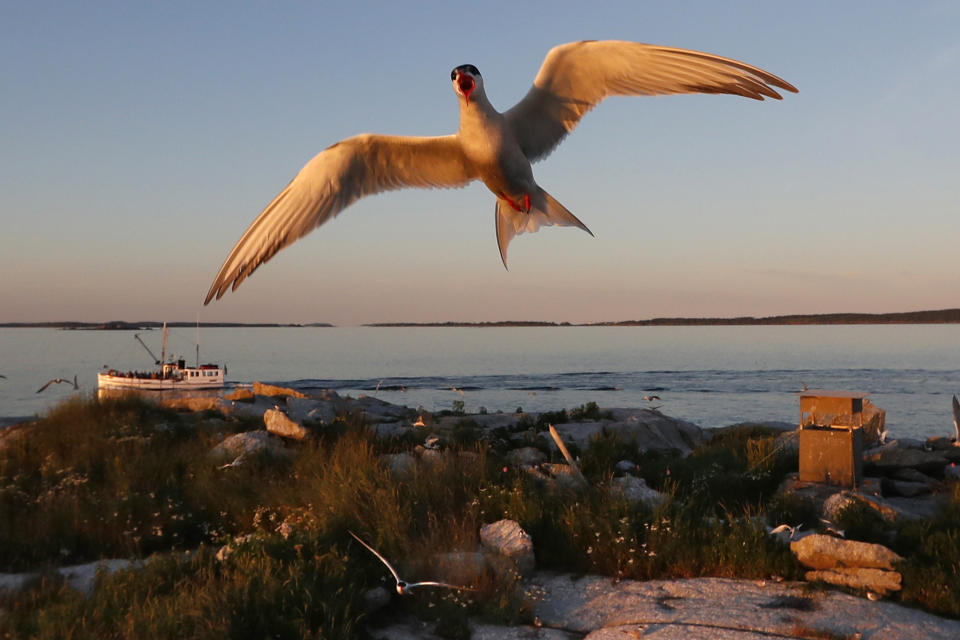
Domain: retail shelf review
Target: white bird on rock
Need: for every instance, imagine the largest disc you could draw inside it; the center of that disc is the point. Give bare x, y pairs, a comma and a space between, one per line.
496, 148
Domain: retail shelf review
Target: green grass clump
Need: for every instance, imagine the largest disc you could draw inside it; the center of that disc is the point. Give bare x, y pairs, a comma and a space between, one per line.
931, 571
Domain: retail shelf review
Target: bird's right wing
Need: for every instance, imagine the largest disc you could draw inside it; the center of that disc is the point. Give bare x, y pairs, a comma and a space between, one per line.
576, 76
331, 181
377, 553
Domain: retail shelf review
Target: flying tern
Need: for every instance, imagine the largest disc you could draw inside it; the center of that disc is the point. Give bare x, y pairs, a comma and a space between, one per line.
402, 585
493, 147
59, 381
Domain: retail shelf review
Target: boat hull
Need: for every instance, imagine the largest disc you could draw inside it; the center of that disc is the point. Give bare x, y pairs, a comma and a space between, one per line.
206, 379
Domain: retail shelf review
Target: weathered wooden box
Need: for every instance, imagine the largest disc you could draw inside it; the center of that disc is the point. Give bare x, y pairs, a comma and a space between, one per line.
831, 456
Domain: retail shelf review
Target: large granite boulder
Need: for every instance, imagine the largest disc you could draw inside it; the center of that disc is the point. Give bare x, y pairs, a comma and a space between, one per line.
825, 552
310, 410
891, 458
859, 565
261, 389
648, 428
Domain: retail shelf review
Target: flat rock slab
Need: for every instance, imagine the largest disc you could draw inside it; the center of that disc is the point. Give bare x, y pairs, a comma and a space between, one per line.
721, 608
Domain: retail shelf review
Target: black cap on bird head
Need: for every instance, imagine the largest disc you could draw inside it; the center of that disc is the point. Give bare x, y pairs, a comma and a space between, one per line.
464, 77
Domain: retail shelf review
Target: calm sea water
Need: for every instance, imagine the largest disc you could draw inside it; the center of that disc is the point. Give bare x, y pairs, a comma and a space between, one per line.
713, 376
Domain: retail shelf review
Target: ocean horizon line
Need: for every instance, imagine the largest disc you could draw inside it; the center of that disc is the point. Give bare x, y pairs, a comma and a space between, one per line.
938, 316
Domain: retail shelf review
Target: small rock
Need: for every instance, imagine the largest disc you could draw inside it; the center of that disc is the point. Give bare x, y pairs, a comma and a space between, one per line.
399, 463
624, 466
835, 505
507, 538
635, 489
562, 475
248, 443
278, 423
820, 551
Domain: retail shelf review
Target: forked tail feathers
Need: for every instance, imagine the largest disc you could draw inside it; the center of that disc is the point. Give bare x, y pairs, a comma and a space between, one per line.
545, 211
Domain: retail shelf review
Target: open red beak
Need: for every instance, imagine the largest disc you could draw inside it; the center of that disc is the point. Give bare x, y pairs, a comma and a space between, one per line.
466, 84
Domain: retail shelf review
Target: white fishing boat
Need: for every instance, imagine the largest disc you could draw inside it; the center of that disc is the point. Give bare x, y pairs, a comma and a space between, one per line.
174, 374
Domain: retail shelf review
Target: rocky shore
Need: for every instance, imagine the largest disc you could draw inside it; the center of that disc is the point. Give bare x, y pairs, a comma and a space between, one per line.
903, 480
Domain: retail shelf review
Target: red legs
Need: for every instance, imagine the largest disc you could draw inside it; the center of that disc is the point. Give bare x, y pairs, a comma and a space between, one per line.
522, 209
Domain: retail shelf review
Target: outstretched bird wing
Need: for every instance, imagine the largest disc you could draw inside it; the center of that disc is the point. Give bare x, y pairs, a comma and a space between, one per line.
431, 583
576, 76
332, 180
377, 553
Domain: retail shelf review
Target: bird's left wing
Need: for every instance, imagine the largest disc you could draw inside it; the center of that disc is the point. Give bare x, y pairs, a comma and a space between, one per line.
576, 76
431, 583
331, 181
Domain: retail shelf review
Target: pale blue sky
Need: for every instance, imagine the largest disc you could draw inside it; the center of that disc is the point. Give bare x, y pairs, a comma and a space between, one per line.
138, 140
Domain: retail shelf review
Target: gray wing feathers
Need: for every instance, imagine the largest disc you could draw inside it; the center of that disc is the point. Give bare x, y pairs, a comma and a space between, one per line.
575, 77
330, 182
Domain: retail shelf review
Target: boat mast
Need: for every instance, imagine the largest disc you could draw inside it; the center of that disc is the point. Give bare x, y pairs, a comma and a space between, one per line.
163, 351
198, 339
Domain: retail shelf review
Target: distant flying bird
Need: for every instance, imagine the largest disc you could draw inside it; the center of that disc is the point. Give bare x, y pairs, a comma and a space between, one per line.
956, 420
59, 381
402, 585
496, 148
